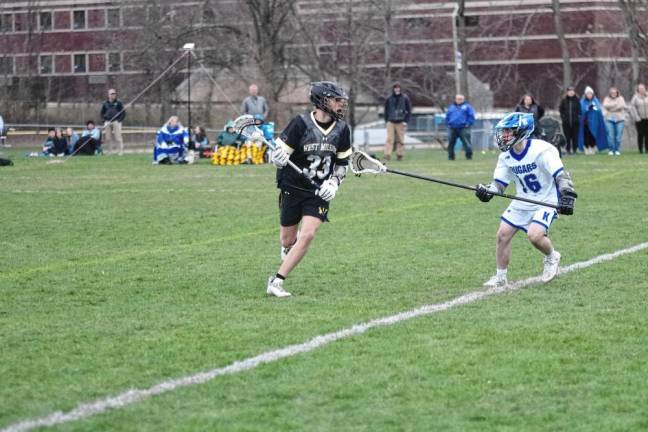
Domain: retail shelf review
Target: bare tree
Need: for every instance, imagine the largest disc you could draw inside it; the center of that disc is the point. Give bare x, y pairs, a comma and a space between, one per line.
636, 32
463, 48
564, 50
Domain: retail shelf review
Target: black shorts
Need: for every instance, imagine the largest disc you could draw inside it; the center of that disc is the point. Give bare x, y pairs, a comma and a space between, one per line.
294, 204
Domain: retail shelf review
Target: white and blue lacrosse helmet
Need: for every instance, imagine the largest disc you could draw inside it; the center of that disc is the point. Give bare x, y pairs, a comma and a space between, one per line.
512, 129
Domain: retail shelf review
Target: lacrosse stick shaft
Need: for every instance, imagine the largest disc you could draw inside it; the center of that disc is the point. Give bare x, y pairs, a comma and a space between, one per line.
472, 188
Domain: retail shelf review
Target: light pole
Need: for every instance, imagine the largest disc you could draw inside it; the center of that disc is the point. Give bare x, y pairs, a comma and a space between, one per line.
189, 47
455, 47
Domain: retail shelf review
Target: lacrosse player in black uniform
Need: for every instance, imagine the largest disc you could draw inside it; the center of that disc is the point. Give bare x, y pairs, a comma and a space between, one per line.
319, 143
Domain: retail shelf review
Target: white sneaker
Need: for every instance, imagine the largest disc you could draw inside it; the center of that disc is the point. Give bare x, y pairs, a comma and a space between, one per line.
550, 266
610, 153
617, 153
496, 281
275, 287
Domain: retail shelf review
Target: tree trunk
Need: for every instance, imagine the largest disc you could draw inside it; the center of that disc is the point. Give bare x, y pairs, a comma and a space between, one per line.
633, 35
564, 50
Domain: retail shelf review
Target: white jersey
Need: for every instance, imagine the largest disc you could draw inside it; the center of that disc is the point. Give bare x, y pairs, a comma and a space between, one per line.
533, 171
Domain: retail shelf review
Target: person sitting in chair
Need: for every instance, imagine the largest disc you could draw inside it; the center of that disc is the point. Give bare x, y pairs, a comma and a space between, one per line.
90, 142
171, 143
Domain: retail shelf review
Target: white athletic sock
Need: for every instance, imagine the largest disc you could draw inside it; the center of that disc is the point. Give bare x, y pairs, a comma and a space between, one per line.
551, 254
501, 272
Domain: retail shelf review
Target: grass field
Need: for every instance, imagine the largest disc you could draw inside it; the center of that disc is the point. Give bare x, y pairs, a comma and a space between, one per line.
116, 274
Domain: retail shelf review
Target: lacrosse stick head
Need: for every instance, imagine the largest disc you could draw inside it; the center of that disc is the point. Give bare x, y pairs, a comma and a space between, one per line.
247, 126
362, 163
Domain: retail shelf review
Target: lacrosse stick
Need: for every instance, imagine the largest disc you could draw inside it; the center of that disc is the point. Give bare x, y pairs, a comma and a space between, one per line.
362, 163
246, 126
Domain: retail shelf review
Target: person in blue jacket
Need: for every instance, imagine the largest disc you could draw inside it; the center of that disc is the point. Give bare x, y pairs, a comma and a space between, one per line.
171, 143
592, 136
459, 117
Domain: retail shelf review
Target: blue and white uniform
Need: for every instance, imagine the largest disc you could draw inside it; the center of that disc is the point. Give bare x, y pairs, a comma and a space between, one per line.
533, 171
170, 144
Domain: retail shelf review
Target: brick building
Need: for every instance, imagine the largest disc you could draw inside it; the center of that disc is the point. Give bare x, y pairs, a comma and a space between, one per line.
62, 50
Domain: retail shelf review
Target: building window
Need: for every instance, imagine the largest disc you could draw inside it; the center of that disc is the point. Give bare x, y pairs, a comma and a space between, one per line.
45, 21
114, 18
6, 23
25, 22
79, 20
96, 18
62, 20
114, 62
6, 66
45, 64
80, 63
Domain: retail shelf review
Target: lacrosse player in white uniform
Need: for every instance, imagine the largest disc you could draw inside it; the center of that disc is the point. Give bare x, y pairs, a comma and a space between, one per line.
538, 173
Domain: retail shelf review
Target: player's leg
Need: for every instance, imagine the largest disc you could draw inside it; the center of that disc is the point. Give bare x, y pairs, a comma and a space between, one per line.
309, 227
504, 237
537, 234
288, 238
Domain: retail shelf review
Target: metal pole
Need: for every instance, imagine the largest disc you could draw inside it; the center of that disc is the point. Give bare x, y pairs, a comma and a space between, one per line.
189, 92
455, 47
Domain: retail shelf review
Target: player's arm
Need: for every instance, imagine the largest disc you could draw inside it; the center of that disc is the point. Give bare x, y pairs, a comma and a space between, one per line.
501, 180
340, 166
568, 195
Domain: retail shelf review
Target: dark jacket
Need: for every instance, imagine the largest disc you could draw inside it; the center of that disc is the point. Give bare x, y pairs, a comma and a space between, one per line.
398, 108
110, 109
460, 116
534, 108
570, 111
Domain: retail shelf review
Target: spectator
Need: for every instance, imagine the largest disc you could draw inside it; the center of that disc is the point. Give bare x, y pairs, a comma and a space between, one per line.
171, 142
199, 142
398, 110
614, 110
255, 104
529, 105
228, 137
459, 117
591, 131
49, 145
90, 142
639, 111
570, 116
113, 114
72, 139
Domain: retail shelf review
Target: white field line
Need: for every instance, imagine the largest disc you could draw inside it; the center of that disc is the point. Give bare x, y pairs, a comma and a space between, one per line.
130, 397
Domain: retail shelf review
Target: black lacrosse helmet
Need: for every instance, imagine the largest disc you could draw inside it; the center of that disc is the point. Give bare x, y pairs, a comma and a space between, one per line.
322, 92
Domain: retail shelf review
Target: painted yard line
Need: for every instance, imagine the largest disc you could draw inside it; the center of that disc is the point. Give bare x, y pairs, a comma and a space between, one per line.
133, 396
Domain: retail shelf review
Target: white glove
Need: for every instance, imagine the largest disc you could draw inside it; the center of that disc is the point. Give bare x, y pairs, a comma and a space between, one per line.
328, 190
280, 157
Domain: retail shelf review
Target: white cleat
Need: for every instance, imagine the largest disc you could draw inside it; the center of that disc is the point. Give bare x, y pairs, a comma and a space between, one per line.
275, 287
496, 282
551, 267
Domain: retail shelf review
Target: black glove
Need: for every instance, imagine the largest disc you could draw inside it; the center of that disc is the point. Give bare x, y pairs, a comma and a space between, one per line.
566, 203
483, 193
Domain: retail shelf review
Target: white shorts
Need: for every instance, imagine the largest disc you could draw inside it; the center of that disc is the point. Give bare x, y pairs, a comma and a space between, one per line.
521, 219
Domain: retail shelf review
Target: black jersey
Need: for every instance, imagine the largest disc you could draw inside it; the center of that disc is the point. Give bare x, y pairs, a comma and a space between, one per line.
316, 147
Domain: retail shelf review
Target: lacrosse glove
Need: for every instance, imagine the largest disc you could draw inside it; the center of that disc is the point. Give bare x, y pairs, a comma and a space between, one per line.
566, 202
483, 192
328, 190
280, 157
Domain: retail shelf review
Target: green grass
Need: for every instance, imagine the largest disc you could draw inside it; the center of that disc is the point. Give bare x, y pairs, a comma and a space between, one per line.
107, 285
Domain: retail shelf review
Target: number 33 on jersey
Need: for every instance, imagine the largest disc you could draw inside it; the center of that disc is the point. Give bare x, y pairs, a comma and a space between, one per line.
315, 148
